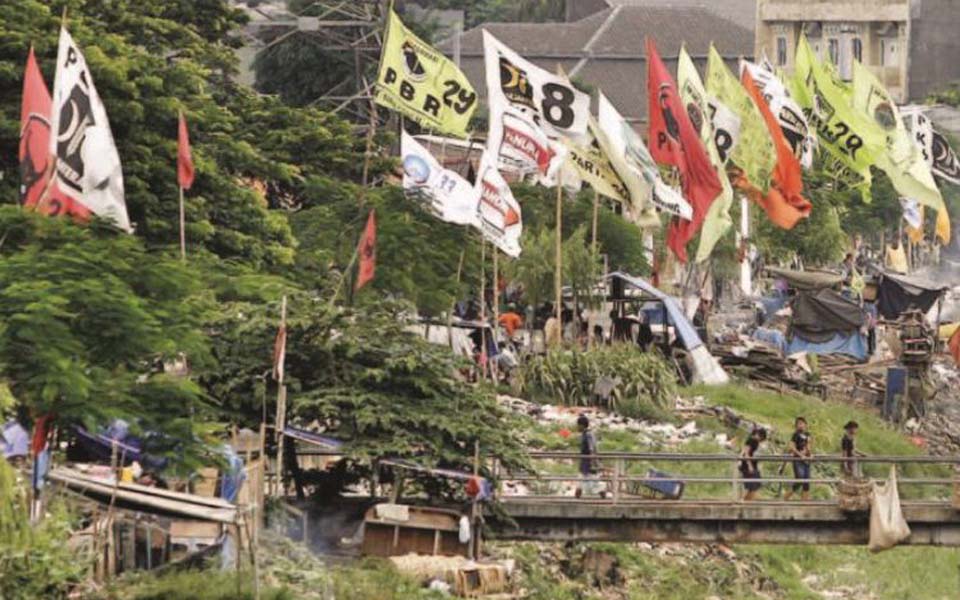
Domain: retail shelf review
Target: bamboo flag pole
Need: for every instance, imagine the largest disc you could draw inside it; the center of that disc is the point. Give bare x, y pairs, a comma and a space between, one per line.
558, 264
453, 304
496, 291
183, 235
483, 306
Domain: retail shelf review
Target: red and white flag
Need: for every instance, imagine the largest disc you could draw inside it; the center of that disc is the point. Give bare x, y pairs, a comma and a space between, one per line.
34, 156
87, 167
368, 252
185, 170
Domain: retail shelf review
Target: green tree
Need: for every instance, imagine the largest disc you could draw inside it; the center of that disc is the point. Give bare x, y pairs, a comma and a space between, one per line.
88, 319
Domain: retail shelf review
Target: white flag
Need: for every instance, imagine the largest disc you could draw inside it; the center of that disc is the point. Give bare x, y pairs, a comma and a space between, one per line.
632, 160
550, 101
87, 162
444, 193
911, 213
935, 148
793, 123
497, 210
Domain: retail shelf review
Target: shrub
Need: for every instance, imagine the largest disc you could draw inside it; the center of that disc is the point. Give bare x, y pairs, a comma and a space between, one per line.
647, 383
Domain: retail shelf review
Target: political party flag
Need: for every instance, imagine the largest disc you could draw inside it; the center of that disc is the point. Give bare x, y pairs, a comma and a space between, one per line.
694, 95
741, 133
185, 171
793, 124
546, 99
87, 165
419, 82
367, 251
34, 155
593, 166
514, 135
498, 212
849, 136
783, 203
676, 142
900, 158
442, 192
934, 147
633, 163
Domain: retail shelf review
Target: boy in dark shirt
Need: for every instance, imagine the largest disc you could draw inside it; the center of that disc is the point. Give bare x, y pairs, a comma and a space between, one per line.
848, 449
589, 467
800, 447
749, 469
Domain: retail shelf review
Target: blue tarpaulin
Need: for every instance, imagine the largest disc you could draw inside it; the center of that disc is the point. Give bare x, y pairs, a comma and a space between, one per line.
14, 440
685, 331
853, 344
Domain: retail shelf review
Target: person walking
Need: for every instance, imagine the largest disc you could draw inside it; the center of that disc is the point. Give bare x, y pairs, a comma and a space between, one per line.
589, 466
749, 467
801, 446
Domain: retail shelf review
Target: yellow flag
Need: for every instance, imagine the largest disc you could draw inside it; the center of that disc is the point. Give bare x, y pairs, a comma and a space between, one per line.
717, 222
900, 158
418, 81
593, 166
741, 132
851, 138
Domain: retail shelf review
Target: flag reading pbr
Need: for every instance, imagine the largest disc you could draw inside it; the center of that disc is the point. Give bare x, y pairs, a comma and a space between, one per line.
418, 81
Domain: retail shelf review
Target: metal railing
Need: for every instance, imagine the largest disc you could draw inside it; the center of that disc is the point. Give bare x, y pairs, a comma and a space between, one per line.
627, 475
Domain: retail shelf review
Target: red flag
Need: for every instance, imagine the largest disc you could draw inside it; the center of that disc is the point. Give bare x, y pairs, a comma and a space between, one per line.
184, 157
368, 252
784, 203
34, 156
675, 142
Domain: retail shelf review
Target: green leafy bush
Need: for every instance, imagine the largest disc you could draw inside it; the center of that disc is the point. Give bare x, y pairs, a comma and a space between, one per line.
35, 561
647, 384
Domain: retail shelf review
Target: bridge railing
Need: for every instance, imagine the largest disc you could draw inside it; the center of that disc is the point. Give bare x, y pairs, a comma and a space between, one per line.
632, 477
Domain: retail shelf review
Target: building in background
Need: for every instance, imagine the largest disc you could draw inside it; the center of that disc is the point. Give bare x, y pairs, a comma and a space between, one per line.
605, 50
741, 12
913, 46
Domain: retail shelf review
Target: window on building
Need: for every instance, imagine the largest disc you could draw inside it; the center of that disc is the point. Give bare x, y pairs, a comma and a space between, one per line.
781, 51
889, 53
856, 46
833, 50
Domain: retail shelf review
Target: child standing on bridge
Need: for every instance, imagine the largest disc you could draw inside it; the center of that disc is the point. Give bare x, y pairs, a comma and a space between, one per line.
800, 447
749, 468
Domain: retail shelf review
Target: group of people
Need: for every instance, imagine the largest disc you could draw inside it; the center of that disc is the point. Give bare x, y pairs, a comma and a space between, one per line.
800, 451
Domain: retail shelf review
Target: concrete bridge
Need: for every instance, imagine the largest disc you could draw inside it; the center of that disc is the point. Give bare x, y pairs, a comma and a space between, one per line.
642, 517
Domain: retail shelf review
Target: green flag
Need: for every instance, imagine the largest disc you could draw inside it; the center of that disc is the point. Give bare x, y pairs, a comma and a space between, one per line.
851, 138
717, 222
419, 82
741, 133
902, 160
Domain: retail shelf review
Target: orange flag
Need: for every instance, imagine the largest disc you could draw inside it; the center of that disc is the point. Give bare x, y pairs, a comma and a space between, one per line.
185, 170
784, 203
368, 252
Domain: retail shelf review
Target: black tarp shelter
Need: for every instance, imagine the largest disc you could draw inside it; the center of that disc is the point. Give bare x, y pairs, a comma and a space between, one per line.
897, 294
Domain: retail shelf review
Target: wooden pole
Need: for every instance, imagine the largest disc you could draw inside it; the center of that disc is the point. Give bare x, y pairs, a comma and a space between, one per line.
596, 214
496, 291
371, 132
483, 308
183, 235
558, 260
281, 403
453, 304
